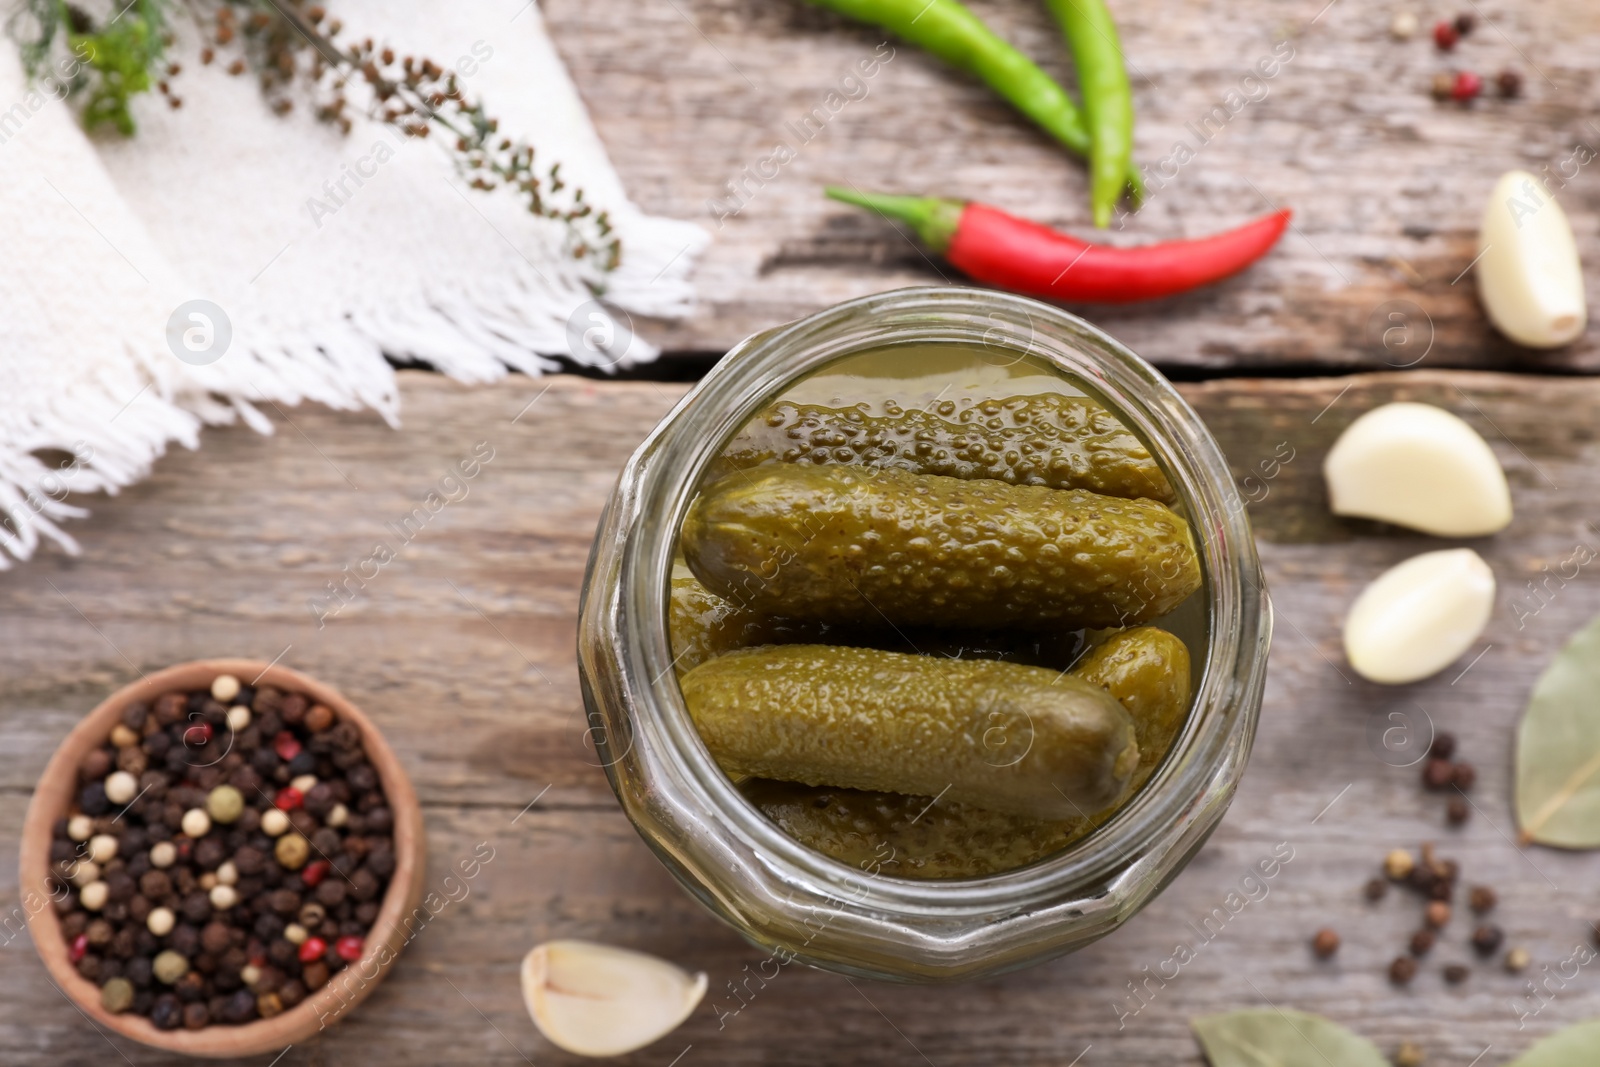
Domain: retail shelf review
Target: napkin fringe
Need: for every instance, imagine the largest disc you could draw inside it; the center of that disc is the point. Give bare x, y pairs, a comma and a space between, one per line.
474, 330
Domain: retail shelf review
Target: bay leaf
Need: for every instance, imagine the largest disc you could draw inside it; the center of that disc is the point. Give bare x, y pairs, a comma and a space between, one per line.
1558, 749
1576, 1046
1270, 1037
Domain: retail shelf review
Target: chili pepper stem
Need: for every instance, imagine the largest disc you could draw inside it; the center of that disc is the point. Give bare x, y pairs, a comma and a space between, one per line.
934, 219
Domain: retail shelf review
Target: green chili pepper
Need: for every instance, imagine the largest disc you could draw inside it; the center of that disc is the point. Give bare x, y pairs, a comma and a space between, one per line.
953, 33
1107, 101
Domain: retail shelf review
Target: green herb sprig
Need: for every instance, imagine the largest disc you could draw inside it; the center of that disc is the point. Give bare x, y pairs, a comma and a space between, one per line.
296, 48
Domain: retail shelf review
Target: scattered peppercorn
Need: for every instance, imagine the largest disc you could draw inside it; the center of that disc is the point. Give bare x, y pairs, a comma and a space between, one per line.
1404, 26
1457, 811
1375, 889
181, 879
1487, 938
1324, 944
1445, 36
1438, 773
1509, 82
1422, 942
1402, 970
1465, 23
1465, 774
1437, 914
1455, 973
1481, 899
1408, 1055
1517, 960
1398, 864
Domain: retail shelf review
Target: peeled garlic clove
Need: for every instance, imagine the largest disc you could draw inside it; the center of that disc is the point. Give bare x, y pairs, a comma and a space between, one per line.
1528, 272
1419, 466
597, 1000
1418, 617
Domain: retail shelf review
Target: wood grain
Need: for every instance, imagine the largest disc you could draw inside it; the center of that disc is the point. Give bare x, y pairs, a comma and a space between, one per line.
1388, 185
461, 650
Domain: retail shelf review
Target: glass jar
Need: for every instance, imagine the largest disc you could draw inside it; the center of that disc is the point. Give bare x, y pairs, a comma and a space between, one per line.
799, 903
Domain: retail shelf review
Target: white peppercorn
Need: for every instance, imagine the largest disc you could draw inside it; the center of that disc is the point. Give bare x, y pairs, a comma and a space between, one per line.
102, 848
121, 787
160, 921
94, 896
196, 823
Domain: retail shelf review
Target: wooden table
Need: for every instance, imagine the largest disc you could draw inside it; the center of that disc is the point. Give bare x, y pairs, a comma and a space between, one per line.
695, 97
461, 649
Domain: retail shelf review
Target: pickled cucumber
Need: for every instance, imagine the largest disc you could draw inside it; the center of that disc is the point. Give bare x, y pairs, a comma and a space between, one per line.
908, 836
1147, 670
1063, 442
701, 625
1015, 739
845, 544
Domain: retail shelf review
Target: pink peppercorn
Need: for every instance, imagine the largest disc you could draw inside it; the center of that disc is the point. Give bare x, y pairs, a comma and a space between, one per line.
288, 799
286, 745
198, 734
80, 945
349, 948
315, 872
312, 949
1445, 36
1466, 87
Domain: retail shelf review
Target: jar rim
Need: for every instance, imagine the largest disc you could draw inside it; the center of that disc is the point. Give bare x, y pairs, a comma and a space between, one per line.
697, 819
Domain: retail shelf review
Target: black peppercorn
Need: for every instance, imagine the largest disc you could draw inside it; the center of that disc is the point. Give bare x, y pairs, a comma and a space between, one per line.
1456, 973
1481, 899
197, 907
1463, 776
92, 799
1487, 938
184, 940
190, 987
195, 1017
1402, 970
166, 1013
1422, 942
138, 972
1457, 811
331, 893
1437, 773
381, 862
282, 952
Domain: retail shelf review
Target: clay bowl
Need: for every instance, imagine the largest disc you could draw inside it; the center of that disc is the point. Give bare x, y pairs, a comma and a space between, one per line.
53, 797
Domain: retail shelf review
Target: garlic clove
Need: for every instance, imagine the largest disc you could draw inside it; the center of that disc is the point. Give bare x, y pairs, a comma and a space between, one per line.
1419, 616
1418, 466
1528, 270
597, 1000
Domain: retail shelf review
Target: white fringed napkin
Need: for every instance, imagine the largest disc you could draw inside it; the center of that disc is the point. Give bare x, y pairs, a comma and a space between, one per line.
325, 251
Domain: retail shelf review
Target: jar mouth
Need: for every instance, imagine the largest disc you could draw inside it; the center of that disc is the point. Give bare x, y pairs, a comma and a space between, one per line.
700, 824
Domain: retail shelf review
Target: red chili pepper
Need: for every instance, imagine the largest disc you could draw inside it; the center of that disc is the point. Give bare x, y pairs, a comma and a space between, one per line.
1025, 257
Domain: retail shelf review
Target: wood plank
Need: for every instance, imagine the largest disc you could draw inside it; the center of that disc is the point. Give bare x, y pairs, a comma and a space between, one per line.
461, 649
1388, 185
